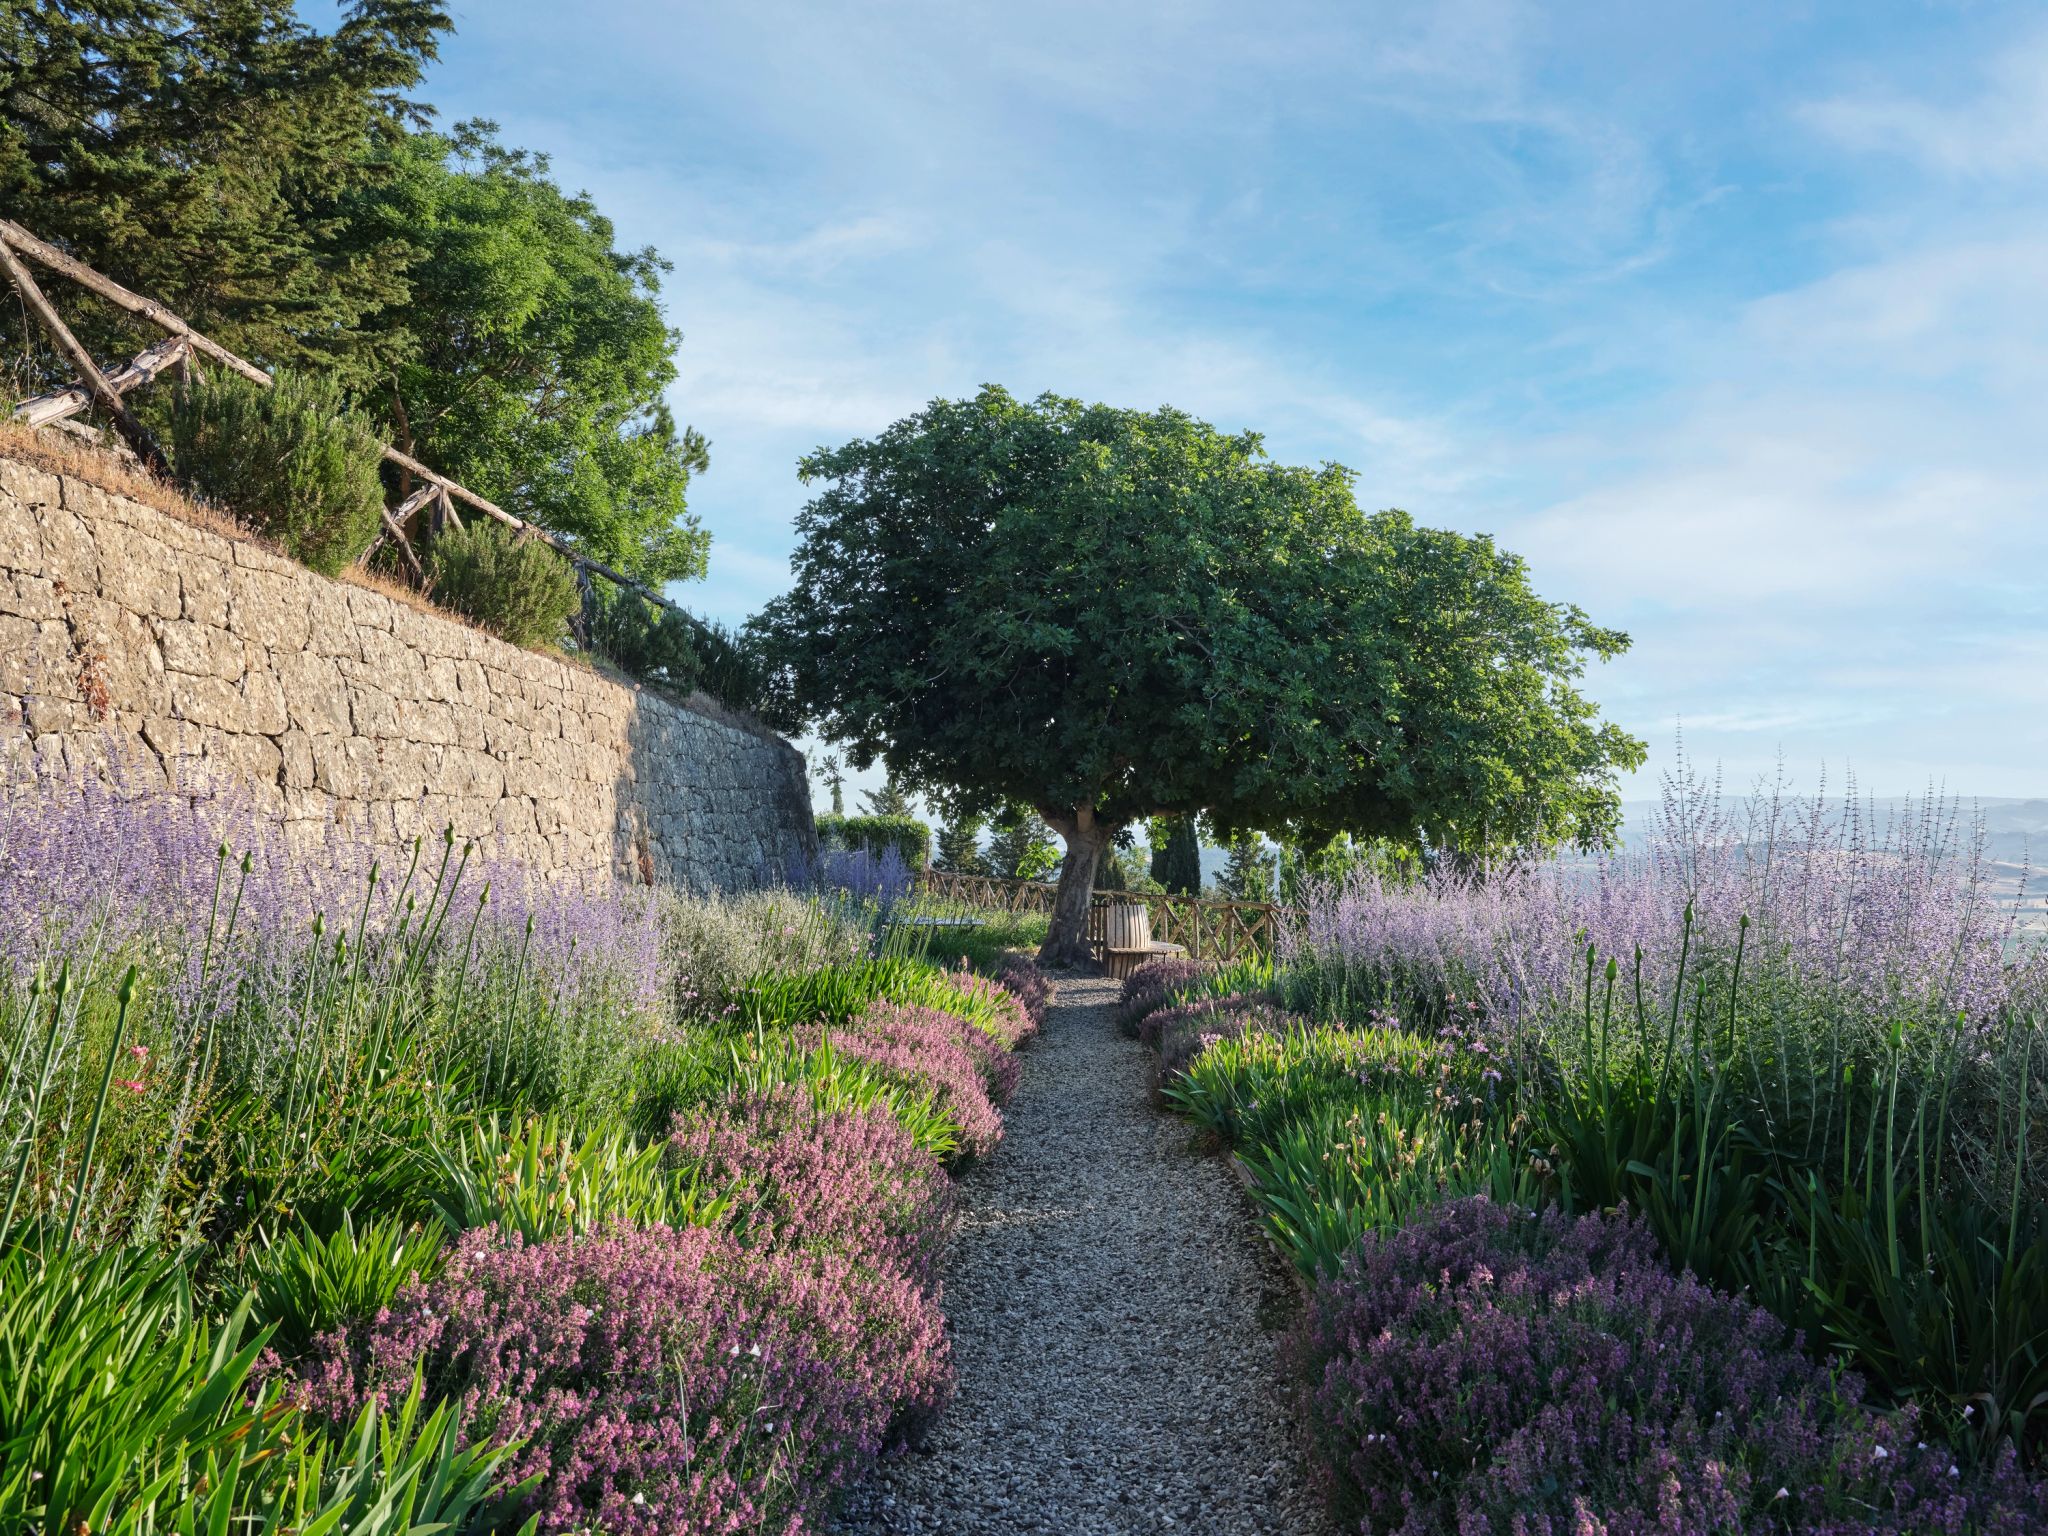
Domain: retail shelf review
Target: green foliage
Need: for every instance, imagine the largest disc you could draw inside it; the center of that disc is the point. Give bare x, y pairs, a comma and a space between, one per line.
1018, 848
890, 800
543, 1180
986, 945
531, 359
834, 997
307, 1285
272, 184
960, 846
1346, 1132
201, 154
1248, 872
733, 670
1305, 864
292, 461
114, 1394
911, 838
1048, 602
124, 1412
654, 644
835, 778
1826, 1178
716, 944
515, 587
1177, 855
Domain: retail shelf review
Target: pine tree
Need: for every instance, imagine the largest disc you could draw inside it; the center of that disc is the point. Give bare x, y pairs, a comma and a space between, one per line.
889, 800
1018, 846
960, 846
1248, 873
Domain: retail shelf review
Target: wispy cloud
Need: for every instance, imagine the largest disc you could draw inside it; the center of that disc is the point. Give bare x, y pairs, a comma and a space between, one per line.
1992, 125
1728, 321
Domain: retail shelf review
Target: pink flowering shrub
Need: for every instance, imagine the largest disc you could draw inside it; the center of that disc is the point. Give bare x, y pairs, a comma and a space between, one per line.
1181, 1032
1148, 987
1484, 1371
930, 1051
661, 1381
849, 1182
1027, 983
1009, 1019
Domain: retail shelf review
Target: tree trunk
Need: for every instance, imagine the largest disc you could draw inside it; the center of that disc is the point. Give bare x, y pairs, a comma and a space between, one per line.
1066, 942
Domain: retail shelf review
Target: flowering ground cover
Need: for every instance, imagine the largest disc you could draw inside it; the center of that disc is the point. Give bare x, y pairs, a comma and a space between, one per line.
339, 1195
1803, 1052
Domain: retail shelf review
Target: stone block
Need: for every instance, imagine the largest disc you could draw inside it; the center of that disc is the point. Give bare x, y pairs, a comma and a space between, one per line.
28, 485
137, 573
30, 597
70, 557
269, 601
315, 696
201, 650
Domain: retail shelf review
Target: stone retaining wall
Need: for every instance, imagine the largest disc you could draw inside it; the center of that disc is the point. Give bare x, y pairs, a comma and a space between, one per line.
139, 646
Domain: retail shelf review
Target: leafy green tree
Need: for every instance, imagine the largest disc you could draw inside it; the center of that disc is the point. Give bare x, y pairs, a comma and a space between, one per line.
1109, 614
275, 186
530, 357
1018, 848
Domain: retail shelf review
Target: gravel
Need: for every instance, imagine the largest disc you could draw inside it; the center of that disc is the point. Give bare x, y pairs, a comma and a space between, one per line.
1116, 1320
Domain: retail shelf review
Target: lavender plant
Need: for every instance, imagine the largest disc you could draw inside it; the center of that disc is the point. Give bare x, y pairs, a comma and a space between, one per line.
1807, 1046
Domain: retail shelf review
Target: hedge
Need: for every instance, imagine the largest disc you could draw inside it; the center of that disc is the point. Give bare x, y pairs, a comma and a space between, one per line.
911, 838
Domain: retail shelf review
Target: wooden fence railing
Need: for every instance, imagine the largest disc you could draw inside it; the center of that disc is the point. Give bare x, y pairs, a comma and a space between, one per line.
179, 352
1208, 930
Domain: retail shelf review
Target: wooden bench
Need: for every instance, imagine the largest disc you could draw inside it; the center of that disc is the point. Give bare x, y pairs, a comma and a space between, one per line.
1121, 962
1127, 941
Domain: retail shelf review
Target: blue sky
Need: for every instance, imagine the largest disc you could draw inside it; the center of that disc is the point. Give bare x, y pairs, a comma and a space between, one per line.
1732, 319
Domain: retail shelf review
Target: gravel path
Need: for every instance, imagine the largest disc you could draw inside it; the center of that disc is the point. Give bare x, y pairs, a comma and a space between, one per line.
1115, 1319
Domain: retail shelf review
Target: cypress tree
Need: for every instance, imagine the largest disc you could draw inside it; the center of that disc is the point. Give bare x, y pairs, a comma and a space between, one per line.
1178, 867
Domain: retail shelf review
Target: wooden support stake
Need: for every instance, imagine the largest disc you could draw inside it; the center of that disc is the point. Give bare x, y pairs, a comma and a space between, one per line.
102, 392
397, 536
58, 404
12, 234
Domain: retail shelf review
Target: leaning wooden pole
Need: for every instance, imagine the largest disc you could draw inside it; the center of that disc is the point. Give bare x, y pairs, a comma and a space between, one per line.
14, 239
103, 393
42, 410
13, 234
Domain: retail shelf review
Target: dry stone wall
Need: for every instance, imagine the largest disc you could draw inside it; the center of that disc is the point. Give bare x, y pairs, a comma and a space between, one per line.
142, 648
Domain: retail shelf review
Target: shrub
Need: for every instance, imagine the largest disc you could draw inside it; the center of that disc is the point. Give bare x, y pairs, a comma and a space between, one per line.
654, 644
1489, 1370
911, 838
988, 945
1151, 984
837, 995
714, 944
851, 1182
307, 1285
934, 1052
291, 461
1023, 980
1181, 1032
516, 587
661, 1380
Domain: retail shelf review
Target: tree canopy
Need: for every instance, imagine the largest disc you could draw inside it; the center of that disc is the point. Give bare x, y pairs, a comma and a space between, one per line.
278, 186
1110, 614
